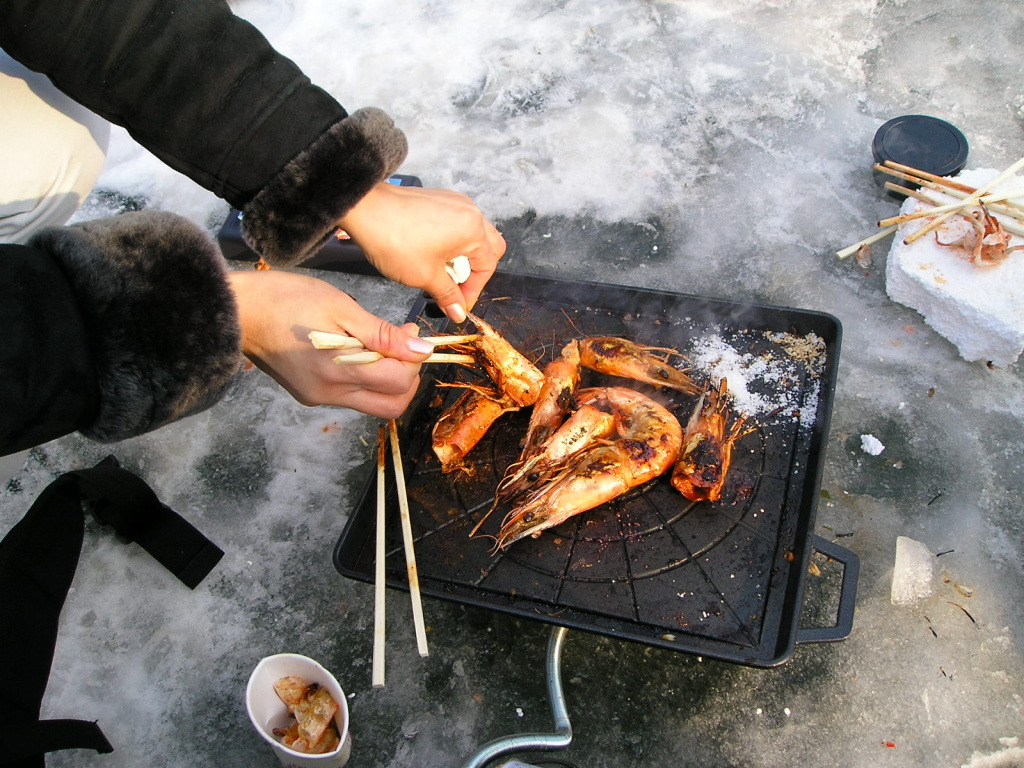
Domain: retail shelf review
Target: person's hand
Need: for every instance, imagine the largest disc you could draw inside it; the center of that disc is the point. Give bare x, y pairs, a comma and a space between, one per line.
409, 234
277, 311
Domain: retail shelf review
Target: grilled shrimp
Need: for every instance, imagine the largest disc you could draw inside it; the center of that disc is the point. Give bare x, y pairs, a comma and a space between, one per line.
515, 376
609, 355
647, 441
584, 426
465, 422
707, 446
561, 377
517, 382
621, 357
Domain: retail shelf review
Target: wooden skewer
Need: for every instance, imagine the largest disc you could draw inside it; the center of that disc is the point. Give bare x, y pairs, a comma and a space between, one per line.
1010, 224
918, 173
1005, 215
325, 340
944, 186
410, 554
915, 175
1006, 208
980, 192
1000, 205
366, 356
866, 241
959, 205
379, 585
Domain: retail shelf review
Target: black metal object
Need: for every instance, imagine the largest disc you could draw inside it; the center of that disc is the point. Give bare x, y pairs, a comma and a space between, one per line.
723, 579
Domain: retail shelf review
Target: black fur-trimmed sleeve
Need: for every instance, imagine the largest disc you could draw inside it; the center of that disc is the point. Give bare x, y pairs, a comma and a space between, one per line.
159, 316
299, 208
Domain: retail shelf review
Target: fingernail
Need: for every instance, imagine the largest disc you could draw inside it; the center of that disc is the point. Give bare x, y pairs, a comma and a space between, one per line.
457, 313
419, 346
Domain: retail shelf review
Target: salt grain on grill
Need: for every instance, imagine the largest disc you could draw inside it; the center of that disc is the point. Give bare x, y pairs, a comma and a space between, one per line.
718, 359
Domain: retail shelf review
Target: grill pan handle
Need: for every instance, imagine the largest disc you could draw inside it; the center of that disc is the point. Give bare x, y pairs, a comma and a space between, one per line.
847, 595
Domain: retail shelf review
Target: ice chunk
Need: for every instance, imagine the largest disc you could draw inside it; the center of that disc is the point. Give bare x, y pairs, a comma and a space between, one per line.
1012, 757
913, 575
871, 444
979, 309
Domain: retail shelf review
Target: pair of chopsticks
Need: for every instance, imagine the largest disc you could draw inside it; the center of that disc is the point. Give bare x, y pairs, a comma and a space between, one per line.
359, 354
1010, 215
391, 429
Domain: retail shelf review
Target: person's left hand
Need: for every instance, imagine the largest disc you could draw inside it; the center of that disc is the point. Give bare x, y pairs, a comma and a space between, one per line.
409, 234
277, 311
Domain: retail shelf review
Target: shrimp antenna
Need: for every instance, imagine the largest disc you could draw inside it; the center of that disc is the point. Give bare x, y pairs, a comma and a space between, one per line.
483, 520
575, 327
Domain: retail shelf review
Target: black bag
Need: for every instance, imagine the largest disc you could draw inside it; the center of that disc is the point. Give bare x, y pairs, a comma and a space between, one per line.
38, 559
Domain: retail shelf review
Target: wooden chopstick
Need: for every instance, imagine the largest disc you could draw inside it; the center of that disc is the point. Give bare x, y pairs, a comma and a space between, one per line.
365, 356
908, 174
1007, 207
391, 429
973, 197
852, 249
930, 180
379, 585
1000, 205
410, 554
1011, 224
957, 206
325, 340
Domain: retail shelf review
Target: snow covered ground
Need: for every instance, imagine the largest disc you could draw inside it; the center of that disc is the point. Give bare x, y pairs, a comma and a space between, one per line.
716, 148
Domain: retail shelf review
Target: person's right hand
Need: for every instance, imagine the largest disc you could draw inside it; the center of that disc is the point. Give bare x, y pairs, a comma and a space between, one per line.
277, 311
409, 234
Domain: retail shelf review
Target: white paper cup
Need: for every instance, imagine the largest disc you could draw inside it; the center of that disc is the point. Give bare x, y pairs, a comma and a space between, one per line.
267, 711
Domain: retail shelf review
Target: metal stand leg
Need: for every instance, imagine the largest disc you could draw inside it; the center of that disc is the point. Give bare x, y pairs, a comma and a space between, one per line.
545, 742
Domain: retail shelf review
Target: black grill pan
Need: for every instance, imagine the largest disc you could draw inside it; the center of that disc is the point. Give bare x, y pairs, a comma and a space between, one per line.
724, 579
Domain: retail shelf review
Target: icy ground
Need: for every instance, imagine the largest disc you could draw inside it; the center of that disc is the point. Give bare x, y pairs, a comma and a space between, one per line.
718, 148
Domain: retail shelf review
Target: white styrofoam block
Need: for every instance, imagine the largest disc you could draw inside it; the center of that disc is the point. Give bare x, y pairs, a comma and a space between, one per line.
979, 309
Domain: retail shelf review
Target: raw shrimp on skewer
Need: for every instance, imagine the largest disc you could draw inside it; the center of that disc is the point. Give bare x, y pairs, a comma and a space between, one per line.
646, 443
707, 446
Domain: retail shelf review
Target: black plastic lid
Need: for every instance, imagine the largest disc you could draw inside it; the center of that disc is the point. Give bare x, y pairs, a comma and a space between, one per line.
922, 142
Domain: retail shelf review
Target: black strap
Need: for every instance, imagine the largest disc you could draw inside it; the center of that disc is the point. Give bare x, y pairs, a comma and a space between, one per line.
38, 559
22, 749
120, 499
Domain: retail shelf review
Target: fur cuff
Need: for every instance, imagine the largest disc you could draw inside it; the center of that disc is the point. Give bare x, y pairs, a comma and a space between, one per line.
159, 315
294, 214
